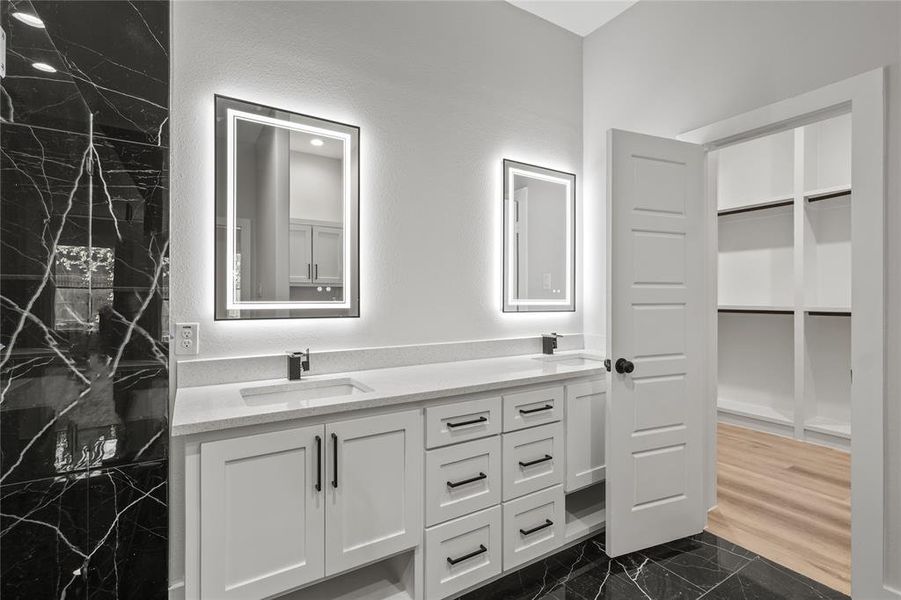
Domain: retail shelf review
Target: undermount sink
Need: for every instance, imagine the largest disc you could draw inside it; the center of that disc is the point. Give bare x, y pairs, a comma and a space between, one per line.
301, 391
571, 360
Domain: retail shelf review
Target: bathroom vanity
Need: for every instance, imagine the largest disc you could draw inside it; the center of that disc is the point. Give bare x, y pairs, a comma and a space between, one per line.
410, 482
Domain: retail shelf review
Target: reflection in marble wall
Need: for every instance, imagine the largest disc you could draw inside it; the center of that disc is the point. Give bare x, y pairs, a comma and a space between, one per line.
84, 301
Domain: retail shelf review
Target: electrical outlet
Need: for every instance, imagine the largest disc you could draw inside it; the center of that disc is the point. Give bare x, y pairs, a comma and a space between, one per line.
187, 339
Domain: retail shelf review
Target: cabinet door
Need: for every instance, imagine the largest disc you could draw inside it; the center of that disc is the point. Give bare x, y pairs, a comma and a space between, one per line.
585, 406
374, 499
301, 248
261, 516
328, 254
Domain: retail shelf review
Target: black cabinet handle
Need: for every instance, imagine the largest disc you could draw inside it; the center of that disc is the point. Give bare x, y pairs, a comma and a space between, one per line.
470, 422
482, 549
546, 458
547, 523
318, 464
454, 484
334, 460
528, 411
316, 271
309, 272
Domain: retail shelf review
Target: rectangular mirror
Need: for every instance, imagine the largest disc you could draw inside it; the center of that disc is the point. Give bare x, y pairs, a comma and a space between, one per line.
287, 214
539, 239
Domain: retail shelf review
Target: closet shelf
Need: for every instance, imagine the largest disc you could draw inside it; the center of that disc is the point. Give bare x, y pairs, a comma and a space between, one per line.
827, 193
838, 311
747, 308
829, 426
766, 204
760, 412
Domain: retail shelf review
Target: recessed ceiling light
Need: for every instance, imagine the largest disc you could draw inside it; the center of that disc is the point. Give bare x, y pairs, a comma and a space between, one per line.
29, 19
316, 142
43, 67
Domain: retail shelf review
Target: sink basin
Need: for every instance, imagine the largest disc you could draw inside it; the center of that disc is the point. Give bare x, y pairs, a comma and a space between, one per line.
572, 360
302, 391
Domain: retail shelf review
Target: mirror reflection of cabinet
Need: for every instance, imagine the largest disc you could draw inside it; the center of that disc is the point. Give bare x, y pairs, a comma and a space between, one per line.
301, 248
328, 257
317, 255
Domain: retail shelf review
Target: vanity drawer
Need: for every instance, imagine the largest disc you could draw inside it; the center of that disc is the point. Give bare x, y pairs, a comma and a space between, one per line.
462, 421
533, 525
462, 479
534, 407
462, 553
533, 460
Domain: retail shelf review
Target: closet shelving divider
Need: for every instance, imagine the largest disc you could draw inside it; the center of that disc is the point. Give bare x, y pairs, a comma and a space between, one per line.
785, 282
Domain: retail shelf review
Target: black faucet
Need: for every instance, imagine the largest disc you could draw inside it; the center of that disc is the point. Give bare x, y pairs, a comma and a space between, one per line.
549, 342
298, 362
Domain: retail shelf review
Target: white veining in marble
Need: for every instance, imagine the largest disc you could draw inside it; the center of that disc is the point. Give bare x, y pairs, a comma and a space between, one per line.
223, 406
194, 372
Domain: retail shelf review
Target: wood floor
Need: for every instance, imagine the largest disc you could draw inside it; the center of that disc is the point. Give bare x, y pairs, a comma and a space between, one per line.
786, 500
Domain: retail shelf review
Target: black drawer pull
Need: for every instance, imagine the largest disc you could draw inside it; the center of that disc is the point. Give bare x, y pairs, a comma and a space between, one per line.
318, 464
482, 549
470, 422
547, 523
546, 458
529, 411
479, 477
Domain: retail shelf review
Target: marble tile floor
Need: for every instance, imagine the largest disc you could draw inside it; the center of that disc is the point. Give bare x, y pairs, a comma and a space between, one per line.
701, 566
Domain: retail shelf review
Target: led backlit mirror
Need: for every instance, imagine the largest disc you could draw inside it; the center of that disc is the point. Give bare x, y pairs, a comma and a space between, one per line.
539, 238
287, 206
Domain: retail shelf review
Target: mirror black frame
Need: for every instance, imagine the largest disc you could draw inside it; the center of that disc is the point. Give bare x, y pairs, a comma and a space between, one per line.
227, 108
509, 304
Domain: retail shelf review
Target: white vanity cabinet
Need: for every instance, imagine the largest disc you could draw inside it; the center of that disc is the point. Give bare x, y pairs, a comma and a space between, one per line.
498, 475
283, 508
421, 502
261, 515
586, 404
374, 497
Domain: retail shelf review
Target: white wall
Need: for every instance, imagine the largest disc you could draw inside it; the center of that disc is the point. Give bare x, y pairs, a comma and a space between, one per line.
442, 91
664, 68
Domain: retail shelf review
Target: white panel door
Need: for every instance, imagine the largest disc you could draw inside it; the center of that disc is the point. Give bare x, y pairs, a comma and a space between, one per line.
585, 410
328, 254
300, 244
374, 499
261, 514
656, 332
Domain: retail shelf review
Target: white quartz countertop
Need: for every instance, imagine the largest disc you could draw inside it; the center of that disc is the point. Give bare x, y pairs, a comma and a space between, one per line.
217, 407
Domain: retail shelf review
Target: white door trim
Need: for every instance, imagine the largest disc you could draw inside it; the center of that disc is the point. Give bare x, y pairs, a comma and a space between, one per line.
865, 96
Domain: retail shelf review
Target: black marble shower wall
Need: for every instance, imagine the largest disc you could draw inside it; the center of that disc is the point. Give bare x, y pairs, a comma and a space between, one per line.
84, 291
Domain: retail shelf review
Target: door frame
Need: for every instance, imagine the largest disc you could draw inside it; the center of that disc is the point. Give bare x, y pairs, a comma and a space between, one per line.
863, 96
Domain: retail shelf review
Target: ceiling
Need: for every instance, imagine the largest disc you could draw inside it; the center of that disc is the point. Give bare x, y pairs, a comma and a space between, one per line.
579, 16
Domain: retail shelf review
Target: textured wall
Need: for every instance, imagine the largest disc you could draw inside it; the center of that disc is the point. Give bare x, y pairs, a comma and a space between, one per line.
84, 302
